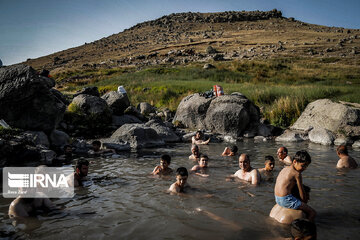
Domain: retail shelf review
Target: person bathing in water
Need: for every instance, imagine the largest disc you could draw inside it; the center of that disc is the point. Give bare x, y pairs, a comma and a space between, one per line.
201, 168
230, 151
195, 152
283, 156
199, 138
163, 168
81, 170
97, 150
289, 177
345, 160
267, 171
246, 172
181, 178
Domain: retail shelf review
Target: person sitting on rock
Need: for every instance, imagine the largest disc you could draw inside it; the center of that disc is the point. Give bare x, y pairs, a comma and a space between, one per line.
163, 168
195, 152
81, 170
230, 151
246, 172
97, 150
199, 138
283, 156
201, 168
287, 179
267, 171
181, 178
345, 160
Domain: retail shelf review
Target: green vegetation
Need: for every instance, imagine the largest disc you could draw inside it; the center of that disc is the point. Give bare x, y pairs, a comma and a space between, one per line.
281, 87
6, 132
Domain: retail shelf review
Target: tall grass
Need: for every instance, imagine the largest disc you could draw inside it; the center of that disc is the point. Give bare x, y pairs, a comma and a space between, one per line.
282, 87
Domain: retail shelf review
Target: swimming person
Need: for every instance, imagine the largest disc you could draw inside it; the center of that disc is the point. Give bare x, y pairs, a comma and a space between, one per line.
195, 152
267, 171
81, 171
289, 177
97, 150
230, 151
181, 178
246, 172
283, 156
201, 168
303, 229
345, 160
163, 168
199, 138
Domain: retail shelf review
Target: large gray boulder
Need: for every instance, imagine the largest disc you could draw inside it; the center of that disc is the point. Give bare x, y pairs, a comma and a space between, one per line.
91, 104
167, 134
343, 118
93, 91
291, 136
59, 138
26, 99
191, 111
138, 135
227, 114
124, 119
145, 108
117, 102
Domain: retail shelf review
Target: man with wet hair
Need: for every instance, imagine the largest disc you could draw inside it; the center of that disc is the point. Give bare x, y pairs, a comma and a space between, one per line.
199, 138
246, 172
283, 156
195, 152
81, 170
97, 150
303, 229
201, 168
345, 160
181, 178
163, 168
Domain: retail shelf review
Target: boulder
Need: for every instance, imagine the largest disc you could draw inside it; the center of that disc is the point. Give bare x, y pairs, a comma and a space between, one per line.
59, 138
26, 99
90, 104
191, 111
124, 119
138, 135
231, 115
117, 102
264, 130
59, 96
47, 156
119, 146
339, 117
356, 144
321, 136
93, 91
145, 108
38, 138
291, 136
167, 134
342, 141
133, 111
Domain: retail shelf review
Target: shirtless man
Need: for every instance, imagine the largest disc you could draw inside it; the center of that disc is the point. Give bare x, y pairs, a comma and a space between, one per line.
246, 172
201, 168
26, 207
195, 152
181, 178
81, 171
198, 138
345, 160
283, 156
96, 149
230, 151
163, 168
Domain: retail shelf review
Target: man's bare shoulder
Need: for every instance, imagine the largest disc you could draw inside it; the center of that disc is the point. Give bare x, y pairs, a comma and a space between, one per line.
174, 188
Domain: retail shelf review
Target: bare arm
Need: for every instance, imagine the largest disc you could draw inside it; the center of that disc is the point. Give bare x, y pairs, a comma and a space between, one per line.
156, 170
255, 177
300, 186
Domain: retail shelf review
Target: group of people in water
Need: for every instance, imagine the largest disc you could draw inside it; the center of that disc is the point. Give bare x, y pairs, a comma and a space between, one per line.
291, 196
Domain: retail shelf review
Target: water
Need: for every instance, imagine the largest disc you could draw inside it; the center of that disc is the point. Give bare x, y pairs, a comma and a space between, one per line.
122, 201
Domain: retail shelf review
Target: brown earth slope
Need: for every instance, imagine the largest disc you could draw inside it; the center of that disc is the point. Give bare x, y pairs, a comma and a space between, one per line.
201, 37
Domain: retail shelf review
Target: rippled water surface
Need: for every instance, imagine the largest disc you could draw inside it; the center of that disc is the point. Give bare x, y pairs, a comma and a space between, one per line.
122, 201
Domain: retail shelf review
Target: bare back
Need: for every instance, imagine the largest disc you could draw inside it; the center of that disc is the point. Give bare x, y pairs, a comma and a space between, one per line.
285, 181
347, 162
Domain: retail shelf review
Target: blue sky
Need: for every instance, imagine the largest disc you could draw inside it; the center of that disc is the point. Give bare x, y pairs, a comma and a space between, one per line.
34, 28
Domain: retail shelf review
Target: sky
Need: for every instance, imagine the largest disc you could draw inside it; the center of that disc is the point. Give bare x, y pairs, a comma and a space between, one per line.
35, 28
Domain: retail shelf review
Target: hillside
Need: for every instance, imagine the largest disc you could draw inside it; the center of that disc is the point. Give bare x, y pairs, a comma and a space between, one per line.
201, 37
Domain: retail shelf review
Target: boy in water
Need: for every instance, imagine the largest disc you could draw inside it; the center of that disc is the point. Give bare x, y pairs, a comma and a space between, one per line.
181, 178
303, 229
230, 151
195, 152
97, 150
345, 160
201, 168
163, 168
283, 156
287, 179
269, 165
198, 138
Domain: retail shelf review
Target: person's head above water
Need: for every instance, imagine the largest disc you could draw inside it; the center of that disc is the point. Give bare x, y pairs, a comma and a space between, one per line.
199, 135
301, 160
165, 160
269, 163
195, 149
203, 160
342, 150
282, 152
181, 176
303, 229
234, 149
244, 162
96, 145
82, 167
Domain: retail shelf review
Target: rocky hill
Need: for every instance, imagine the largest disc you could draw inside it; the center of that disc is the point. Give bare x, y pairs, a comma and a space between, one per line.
202, 37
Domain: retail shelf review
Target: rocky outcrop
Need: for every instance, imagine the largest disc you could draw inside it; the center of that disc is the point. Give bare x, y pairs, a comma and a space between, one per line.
91, 105
124, 119
167, 134
227, 114
145, 108
291, 136
26, 99
321, 136
339, 118
93, 91
117, 102
138, 135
